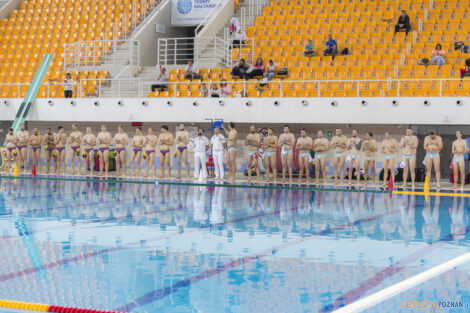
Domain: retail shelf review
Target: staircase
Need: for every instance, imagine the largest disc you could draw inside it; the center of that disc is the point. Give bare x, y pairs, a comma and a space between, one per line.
246, 14
130, 87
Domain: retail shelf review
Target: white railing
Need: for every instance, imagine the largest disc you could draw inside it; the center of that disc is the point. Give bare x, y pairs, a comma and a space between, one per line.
244, 51
178, 51
210, 51
83, 55
250, 10
138, 88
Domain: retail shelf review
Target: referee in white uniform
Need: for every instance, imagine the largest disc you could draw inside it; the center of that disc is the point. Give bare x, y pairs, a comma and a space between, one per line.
201, 145
217, 143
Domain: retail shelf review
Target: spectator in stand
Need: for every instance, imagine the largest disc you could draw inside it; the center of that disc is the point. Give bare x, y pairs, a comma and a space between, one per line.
403, 23
215, 92
224, 89
309, 49
331, 47
162, 81
438, 56
68, 86
258, 69
240, 37
190, 72
464, 72
203, 90
240, 69
234, 25
272, 68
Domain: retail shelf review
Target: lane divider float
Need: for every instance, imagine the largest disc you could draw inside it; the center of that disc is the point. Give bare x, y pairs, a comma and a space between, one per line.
19, 305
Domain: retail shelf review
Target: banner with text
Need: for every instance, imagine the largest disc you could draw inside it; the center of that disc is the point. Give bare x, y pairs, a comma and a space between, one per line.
191, 12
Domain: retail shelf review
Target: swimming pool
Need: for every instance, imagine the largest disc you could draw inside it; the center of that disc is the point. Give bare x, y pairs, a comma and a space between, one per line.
143, 247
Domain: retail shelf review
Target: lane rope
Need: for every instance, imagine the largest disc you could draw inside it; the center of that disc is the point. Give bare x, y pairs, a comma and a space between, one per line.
38, 307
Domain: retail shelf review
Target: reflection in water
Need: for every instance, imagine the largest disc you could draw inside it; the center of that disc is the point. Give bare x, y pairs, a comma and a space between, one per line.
133, 239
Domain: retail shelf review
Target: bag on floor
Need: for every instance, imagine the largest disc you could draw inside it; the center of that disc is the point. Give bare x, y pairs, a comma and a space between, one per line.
282, 71
420, 175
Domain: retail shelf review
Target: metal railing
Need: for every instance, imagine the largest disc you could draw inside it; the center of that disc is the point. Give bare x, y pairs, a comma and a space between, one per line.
211, 51
244, 51
318, 88
250, 10
138, 88
83, 55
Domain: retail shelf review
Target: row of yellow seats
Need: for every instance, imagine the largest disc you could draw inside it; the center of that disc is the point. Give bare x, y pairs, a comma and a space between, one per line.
338, 29
280, 43
327, 7
450, 25
443, 37
304, 18
450, 5
308, 31
448, 15
333, 93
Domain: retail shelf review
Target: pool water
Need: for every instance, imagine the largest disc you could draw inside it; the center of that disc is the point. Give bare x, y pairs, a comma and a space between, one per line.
177, 248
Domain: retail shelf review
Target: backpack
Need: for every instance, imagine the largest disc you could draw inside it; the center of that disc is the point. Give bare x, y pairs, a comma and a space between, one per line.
424, 61
282, 71
345, 51
458, 45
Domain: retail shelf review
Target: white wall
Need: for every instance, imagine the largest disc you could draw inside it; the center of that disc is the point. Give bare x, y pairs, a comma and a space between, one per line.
7, 8
440, 111
148, 38
216, 23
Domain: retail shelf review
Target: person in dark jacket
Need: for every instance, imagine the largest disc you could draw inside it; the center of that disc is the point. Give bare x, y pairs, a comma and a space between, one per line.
403, 22
240, 69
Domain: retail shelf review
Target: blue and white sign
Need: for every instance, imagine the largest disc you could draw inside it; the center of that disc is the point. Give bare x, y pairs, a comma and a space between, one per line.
191, 12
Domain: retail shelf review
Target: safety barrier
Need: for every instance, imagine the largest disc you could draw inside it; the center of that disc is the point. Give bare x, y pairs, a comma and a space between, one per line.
137, 88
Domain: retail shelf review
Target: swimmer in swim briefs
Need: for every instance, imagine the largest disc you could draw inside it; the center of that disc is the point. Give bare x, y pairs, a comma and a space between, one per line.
36, 141
304, 144
409, 144
75, 140
181, 142
231, 149
389, 148
459, 147
369, 147
121, 140
22, 139
11, 147
151, 141
270, 144
286, 141
339, 144
321, 145
252, 142
166, 140
432, 146
60, 142
138, 141
88, 142
354, 147
104, 139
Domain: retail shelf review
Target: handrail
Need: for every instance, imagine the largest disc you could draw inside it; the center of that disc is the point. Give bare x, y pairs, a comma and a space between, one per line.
91, 53
136, 87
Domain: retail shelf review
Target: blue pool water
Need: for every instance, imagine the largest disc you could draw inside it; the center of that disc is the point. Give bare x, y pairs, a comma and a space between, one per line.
177, 248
